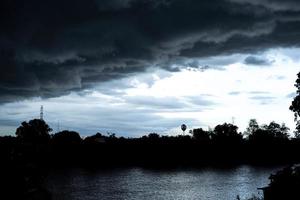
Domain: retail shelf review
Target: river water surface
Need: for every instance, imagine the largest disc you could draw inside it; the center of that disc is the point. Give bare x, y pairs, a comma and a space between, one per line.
144, 184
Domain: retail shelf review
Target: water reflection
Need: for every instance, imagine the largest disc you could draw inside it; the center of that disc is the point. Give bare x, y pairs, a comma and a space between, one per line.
138, 183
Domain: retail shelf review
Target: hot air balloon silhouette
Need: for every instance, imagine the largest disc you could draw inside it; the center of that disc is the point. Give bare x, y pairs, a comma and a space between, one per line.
183, 128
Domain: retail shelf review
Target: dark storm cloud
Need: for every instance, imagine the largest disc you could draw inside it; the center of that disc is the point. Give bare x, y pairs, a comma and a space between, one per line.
279, 5
195, 65
255, 60
49, 48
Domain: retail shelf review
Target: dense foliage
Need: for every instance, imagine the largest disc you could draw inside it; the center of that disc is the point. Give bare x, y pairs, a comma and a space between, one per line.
295, 107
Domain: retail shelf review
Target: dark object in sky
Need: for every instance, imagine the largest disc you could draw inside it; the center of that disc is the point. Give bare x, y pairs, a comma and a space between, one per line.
183, 127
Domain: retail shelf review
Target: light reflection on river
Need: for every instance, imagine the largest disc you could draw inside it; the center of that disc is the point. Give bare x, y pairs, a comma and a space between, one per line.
144, 184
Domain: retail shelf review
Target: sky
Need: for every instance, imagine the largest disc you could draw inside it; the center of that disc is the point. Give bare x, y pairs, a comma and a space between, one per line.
133, 67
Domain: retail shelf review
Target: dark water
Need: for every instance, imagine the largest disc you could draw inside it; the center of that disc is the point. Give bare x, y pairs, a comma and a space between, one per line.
143, 184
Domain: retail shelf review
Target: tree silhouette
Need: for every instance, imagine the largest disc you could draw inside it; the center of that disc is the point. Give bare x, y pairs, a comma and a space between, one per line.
35, 131
227, 133
201, 135
252, 127
279, 131
295, 107
269, 133
66, 137
261, 136
152, 138
95, 139
284, 184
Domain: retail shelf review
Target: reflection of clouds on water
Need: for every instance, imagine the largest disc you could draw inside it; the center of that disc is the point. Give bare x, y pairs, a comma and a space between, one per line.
138, 183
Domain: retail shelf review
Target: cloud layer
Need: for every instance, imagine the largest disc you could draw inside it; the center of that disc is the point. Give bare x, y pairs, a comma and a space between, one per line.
50, 48
160, 101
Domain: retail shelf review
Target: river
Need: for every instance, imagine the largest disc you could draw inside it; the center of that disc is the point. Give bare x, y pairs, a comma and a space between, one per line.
146, 184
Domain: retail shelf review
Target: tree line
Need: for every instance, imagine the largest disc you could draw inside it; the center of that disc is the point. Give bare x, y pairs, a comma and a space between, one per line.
223, 144
37, 131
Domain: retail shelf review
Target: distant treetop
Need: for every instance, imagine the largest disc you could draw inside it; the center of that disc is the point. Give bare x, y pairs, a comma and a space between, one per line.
34, 131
